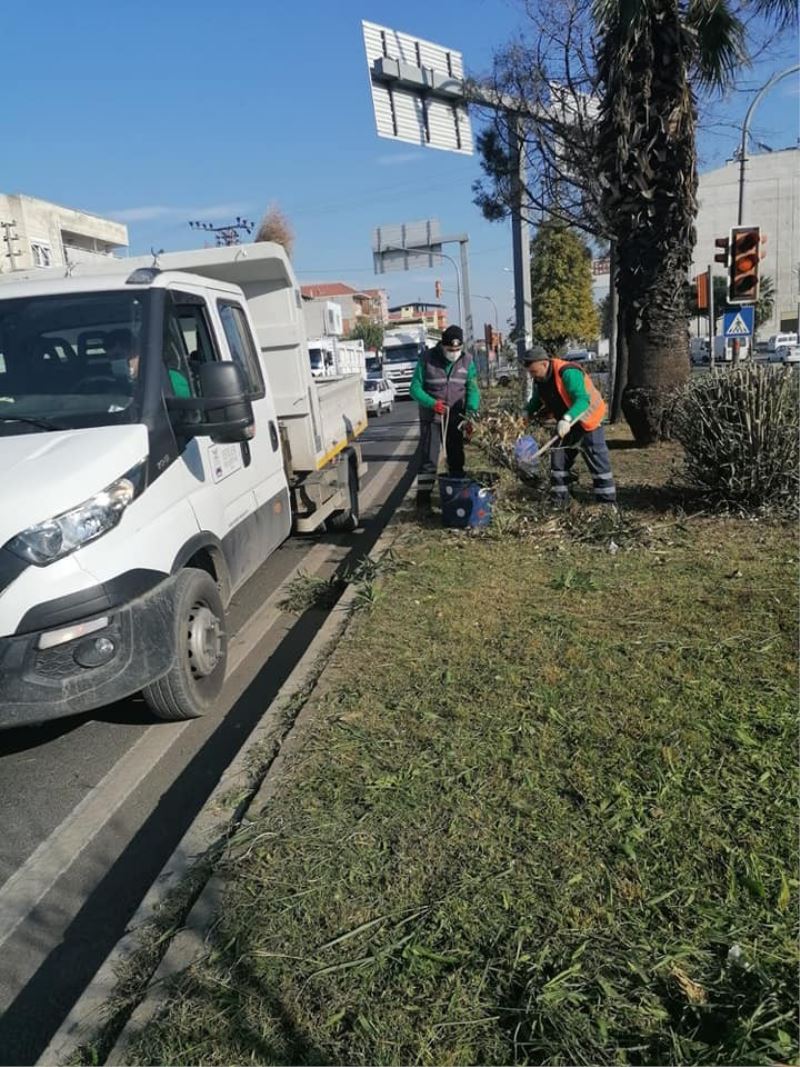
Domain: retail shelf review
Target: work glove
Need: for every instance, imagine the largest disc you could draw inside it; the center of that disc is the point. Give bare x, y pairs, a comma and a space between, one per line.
439, 407
563, 426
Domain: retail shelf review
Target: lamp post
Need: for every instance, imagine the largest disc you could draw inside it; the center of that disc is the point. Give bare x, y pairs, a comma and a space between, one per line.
779, 76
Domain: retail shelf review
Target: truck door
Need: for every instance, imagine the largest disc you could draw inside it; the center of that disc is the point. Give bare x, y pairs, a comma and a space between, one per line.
237, 495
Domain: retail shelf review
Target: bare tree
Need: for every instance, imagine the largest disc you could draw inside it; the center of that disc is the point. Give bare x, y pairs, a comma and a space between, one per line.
276, 227
552, 77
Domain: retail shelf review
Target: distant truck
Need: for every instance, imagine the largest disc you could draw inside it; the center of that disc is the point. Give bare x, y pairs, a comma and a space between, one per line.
723, 349
402, 347
330, 357
160, 436
780, 339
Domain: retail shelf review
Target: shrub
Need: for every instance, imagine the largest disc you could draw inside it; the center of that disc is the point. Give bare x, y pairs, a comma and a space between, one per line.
739, 428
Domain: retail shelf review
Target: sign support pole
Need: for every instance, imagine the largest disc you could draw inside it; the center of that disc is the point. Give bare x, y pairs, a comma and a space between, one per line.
521, 245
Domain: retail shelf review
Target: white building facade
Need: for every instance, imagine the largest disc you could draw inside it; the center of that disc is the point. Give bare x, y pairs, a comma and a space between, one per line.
771, 201
36, 233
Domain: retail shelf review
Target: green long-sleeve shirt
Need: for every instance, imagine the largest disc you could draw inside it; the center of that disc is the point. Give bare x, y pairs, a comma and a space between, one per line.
574, 383
473, 393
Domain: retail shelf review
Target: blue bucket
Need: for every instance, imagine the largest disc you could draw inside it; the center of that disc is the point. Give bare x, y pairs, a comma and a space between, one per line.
465, 502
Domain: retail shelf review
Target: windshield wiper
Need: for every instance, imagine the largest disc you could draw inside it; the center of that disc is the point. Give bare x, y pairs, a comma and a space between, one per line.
42, 424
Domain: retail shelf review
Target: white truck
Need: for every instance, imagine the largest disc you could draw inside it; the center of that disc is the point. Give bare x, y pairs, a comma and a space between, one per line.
723, 349
402, 347
160, 436
331, 357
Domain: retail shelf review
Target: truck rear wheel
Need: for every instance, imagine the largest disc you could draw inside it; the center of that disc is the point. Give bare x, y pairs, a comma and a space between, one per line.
200, 646
347, 520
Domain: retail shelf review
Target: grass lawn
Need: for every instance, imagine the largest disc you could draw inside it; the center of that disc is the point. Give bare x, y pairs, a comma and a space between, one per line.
546, 812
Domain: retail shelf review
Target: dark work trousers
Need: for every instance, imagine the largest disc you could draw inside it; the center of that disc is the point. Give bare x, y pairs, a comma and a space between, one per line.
592, 445
430, 447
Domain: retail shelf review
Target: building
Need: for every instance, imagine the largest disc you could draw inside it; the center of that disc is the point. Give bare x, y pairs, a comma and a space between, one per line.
771, 201
367, 305
432, 316
36, 233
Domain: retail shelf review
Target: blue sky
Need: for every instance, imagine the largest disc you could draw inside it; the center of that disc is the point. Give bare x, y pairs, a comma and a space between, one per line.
158, 112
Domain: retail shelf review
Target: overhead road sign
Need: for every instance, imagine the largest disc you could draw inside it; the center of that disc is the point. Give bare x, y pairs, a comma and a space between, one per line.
407, 246
738, 323
417, 90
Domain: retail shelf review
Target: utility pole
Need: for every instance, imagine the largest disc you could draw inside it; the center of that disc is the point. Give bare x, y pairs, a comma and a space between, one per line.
228, 234
9, 238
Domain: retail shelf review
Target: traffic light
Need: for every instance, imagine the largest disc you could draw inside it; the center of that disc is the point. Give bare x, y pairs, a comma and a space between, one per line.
437, 287
745, 252
724, 244
701, 284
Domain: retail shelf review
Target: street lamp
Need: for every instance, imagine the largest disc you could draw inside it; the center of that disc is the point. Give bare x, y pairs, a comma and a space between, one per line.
496, 317
746, 129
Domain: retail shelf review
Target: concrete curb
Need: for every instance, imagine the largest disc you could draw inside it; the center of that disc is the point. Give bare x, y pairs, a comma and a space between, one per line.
208, 832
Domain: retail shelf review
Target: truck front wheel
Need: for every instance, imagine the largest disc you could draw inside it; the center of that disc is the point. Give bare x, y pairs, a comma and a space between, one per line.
200, 646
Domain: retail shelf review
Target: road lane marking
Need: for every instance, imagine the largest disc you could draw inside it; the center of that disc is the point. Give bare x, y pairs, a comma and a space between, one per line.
33, 880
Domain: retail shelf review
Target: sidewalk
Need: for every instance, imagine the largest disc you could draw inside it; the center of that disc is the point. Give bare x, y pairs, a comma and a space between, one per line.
543, 811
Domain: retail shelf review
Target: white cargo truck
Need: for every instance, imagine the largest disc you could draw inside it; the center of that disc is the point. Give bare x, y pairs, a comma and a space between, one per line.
160, 435
331, 357
402, 347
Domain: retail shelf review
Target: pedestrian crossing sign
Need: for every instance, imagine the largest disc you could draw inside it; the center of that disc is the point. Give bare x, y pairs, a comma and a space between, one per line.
738, 323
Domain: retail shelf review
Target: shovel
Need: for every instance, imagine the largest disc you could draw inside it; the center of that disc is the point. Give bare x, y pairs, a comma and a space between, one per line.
549, 444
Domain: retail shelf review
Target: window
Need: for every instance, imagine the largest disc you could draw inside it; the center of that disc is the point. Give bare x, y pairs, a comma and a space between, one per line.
240, 343
187, 343
42, 256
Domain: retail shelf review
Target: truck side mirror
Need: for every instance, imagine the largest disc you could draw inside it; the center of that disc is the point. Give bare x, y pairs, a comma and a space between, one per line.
226, 413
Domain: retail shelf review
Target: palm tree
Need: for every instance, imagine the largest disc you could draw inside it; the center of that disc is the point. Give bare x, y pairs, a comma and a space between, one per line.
651, 53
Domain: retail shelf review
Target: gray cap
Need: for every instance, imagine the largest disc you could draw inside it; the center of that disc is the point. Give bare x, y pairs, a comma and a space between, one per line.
534, 355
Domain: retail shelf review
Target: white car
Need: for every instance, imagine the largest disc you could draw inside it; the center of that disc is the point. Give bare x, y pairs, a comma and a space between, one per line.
378, 396
791, 353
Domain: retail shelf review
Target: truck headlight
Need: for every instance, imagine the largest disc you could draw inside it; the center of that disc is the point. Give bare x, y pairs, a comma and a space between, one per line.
55, 538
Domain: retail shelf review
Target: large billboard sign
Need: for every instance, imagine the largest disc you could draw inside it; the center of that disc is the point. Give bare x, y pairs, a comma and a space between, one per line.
417, 90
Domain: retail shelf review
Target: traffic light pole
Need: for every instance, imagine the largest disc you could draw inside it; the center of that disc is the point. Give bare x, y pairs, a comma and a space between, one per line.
712, 323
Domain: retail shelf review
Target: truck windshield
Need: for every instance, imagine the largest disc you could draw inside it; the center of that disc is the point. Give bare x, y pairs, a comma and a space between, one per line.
402, 354
71, 361
316, 357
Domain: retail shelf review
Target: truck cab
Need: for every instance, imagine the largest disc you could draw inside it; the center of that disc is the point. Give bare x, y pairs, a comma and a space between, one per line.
402, 349
147, 473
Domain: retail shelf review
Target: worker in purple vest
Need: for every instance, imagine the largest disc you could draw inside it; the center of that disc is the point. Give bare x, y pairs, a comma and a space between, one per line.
445, 385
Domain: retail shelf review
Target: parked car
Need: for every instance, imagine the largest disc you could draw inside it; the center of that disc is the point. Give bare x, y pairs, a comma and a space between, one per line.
579, 355
378, 396
791, 353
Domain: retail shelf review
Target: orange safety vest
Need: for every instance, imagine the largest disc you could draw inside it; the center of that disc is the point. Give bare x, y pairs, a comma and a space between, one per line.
595, 413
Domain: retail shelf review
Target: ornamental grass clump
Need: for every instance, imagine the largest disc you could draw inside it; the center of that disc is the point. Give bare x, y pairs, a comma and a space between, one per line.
739, 428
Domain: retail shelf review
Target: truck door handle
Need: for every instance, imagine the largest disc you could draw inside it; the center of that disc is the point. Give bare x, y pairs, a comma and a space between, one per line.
273, 436
247, 457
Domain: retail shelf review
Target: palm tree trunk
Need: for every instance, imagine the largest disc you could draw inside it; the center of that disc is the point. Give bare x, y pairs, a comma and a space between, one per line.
646, 143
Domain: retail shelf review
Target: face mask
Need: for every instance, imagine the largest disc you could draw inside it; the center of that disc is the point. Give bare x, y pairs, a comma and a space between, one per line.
452, 354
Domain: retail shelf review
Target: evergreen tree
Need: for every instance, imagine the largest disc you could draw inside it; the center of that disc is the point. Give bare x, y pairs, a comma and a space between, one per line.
561, 288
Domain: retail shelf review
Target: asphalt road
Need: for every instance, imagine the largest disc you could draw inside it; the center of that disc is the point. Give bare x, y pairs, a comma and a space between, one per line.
94, 805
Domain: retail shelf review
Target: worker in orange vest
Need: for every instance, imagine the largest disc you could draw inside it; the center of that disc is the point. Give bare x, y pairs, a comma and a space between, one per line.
564, 391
